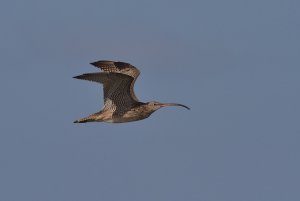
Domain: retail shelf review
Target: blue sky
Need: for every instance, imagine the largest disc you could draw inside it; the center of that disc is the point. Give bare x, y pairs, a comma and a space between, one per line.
235, 63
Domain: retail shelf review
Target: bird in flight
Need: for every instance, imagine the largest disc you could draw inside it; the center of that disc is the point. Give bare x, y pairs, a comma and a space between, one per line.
120, 102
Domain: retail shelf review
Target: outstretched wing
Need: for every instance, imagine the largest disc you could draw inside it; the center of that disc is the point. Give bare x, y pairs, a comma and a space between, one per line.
120, 67
116, 88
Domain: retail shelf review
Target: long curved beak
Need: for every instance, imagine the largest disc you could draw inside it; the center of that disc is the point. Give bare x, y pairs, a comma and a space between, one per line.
174, 104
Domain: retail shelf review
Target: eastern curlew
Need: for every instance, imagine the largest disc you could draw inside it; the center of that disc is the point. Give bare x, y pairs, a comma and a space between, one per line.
120, 103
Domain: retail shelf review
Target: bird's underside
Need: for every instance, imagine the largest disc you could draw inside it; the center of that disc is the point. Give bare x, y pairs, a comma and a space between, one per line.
120, 101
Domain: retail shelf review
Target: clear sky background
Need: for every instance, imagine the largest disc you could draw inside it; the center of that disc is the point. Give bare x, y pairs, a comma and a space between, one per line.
235, 63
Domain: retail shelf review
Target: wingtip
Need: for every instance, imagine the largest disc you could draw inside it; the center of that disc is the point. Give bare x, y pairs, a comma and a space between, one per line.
97, 63
77, 77
94, 63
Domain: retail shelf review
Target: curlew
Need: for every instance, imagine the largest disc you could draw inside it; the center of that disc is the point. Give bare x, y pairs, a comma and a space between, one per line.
120, 103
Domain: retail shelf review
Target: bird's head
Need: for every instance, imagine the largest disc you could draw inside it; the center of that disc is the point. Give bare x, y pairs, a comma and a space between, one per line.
154, 105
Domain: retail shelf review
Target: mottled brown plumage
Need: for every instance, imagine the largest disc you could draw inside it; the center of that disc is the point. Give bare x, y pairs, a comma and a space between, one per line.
120, 102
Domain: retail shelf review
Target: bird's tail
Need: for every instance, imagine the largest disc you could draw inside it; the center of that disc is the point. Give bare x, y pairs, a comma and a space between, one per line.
90, 118
83, 120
